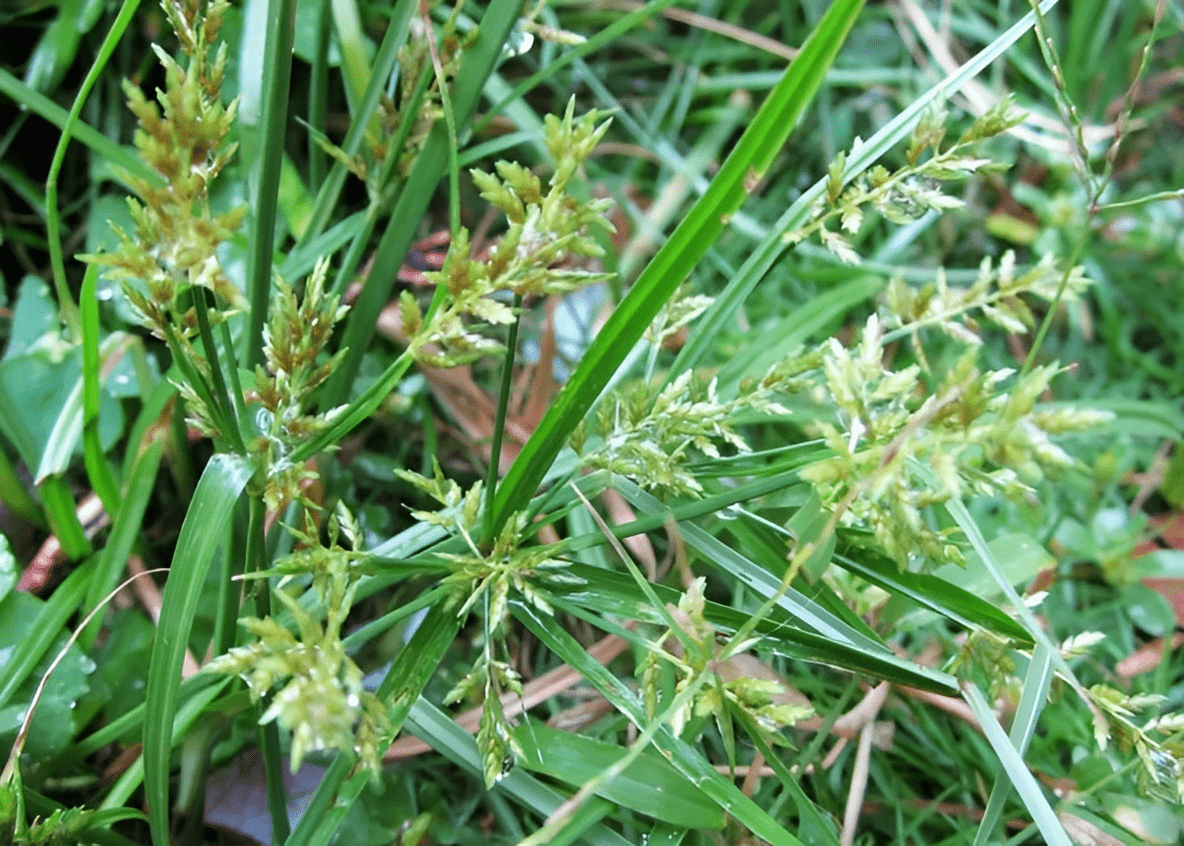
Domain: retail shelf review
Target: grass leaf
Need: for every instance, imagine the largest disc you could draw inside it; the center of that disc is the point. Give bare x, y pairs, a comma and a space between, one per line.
202, 532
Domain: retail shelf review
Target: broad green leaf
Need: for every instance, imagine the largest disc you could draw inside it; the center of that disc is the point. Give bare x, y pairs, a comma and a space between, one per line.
649, 785
8, 568
436, 728
53, 722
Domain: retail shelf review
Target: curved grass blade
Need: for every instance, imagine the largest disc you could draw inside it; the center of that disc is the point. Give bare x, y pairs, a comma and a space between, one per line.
752, 155
1023, 727
204, 692
649, 785
125, 528
329, 190
612, 594
202, 532
123, 158
934, 593
15, 495
58, 500
53, 221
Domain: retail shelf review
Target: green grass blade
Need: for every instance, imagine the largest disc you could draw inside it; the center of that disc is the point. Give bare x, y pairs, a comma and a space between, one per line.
356, 411
605, 36
151, 423
934, 593
204, 691
223, 370
318, 92
204, 529
666, 271
63, 516
263, 132
1017, 771
127, 521
777, 342
15, 495
329, 191
1023, 726
605, 594
125, 158
53, 221
649, 785
97, 469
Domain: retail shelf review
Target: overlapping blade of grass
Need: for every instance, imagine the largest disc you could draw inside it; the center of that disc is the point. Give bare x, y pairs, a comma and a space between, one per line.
1017, 771
612, 595
757, 265
364, 103
97, 470
202, 694
66, 305
126, 525
666, 271
1023, 727
204, 529
933, 592
690, 762
453, 742
649, 785
808, 611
